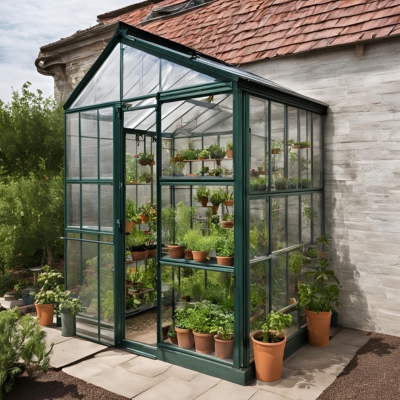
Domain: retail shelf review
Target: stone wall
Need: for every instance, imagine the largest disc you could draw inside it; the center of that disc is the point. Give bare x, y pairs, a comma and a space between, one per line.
362, 171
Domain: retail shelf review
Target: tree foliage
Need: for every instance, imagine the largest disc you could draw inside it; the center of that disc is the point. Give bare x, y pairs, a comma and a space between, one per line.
31, 178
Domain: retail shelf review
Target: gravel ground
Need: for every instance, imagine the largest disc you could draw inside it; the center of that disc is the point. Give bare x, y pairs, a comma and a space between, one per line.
55, 385
373, 373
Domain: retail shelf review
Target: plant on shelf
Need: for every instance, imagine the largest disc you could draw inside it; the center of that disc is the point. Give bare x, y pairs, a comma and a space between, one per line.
215, 171
305, 145
296, 145
296, 262
227, 220
69, 307
216, 152
188, 154
148, 211
218, 196
135, 276
175, 168
131, 214
229, 149
317, 298
23, 292
258, 184
131, 166
203, 155
201, 246
226, 249
304, 183
144, 158
183, 327
269, 346
145, 176
136, 243
312, 252
292, 183
281, 183
277, 146
223, 325
202, 194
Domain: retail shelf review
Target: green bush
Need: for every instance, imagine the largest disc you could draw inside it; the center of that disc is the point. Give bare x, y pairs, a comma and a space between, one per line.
22, 344
7, 283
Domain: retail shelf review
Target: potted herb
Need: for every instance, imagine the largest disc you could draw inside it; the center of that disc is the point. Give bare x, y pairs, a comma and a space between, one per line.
276, 146
318, 298
137, 245
269, 346
145, 176
227, 221
223, 341
183, 329
69, 307
202, 194
131, 216
296, 145
189, 241
229, 201
202, 247
226, 249
216, 152
175, 168
217, 196
229, 149
281, 183
305, 144
184, 218
147, 212
172, 335
204, 155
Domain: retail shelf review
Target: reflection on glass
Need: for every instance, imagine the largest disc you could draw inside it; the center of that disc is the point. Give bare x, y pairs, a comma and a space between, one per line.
306, 217
280, 298
73, 206
278, 223
90, 218
106, 207
277, 145
259, 238
317, 151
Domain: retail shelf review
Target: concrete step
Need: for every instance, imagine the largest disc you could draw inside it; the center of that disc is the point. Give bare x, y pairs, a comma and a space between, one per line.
11, 304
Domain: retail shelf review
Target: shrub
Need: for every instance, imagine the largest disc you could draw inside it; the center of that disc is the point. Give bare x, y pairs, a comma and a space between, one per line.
22, 344
7, 282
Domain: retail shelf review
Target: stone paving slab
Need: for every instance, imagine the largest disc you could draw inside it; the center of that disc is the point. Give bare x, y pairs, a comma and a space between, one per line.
231, 391
353, 338
146, 366
53, 335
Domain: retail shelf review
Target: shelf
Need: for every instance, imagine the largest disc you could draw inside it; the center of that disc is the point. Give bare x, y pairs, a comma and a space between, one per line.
139, 310
140, 292
139, 184
208, 159
210, 264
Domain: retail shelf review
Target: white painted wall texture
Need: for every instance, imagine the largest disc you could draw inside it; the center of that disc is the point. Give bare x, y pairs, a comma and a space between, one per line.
362, 171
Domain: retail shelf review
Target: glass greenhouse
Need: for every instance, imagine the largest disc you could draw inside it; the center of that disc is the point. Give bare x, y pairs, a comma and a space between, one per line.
171, 156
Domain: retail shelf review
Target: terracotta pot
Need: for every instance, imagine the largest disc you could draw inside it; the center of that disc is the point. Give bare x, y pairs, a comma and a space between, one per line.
134, 181
204, 342
202, 158
144, 219
129, 226
199, 256
227, 261
173, 340
203, 201
185, 338
174, 159
148, 179
275, 151
152, 163
268, 358
188, 255
227, 224
228, 203
164, 331
223, 348
296, 146
214, 209
152, 253
143, 162
318, 326
45, 313
175, 251
139, 255
229, 153
305, 147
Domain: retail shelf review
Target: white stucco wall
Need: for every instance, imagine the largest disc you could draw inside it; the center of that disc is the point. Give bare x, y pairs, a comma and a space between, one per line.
362, 171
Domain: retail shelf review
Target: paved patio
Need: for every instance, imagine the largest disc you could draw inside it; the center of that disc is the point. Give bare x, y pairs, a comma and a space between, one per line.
306, 374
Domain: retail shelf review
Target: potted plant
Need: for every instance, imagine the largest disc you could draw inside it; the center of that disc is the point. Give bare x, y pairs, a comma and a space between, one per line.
204, 155
312, 252
281, 183
184, 223
226, 249
304, 183
145, 176
135, 277
229, 149
296, 145
183, 329
217, 196
51, 283
188, 154
269, 346
175, 168
229, 201
147, 212
216, 152
276, 146
23, 292
317, 298
131, 216
172, 335
202, 194
223, 341
305, 144
202, 247
203, 171
69, 307
130, 167
227, 221
137, 245
144, 158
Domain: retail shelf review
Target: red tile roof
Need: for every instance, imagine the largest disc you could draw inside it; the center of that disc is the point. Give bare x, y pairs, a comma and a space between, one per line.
242, 31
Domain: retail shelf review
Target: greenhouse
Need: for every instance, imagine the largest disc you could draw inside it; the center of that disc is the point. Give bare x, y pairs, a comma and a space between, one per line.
191, 186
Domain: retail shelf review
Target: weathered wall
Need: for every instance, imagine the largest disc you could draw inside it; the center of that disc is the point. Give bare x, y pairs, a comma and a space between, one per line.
362, 171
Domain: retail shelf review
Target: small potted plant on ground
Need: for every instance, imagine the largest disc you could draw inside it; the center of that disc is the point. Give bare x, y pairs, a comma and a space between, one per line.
23, 292
217, 196
69, 307
172, 335
202, 194
318, 298
269, 346
226, 249
223, 326
183, 329
227, 221
204, 155
229, 149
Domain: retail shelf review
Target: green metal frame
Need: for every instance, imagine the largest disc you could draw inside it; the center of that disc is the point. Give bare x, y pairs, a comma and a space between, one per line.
242, 86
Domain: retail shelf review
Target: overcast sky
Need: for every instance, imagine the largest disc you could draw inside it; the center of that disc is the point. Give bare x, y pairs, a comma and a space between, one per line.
26, 25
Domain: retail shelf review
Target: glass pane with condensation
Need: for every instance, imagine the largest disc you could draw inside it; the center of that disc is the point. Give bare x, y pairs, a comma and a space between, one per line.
89, 123
174, 76
89, 158
104, 85
141, 73
73, 206
90, 205
106, 158
106, 123
106, 207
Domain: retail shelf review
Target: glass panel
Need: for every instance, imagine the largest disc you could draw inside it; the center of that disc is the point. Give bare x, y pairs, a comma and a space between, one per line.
277, 145
73, 206
278, 223
72, 144
89, 158
104, 85
259, 210
106, 159
90, 218
174, 76
317, 151
297, 261
293, 149
259, 144
106, 293
279, 288
140, 119
73, 281
293, 221
89, 123
106, 123
305, 158
317, 215
306, 215
106, 207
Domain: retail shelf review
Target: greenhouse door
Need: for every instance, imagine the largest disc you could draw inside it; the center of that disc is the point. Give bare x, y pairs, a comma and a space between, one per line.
138, 300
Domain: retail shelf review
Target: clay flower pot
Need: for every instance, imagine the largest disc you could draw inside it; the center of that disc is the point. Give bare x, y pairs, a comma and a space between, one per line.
275, 151
227, 224
139, 255
129, 226
223, 348
268, 358
143, 162
229, 153
214, 209
227, 261
185, 338
45, 313
204, 342
318, 327
228, 203
175, 251
144, 219
152, 163
199, 256
188, 255
203, 201
173, 340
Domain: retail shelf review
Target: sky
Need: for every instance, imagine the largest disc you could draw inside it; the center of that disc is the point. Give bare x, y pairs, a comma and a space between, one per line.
26, 25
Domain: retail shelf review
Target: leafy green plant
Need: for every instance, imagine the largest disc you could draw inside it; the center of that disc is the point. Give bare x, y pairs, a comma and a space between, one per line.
148, 210
226, 246
137, 240
131, 165
202, 318
204, 154
216, 151
258, 184
306, 143
22, 344
184, 218
145, 156
203, 243
66, 302
171, 332
228, 217
182, 317
131, 213
190, 238
218, 196
304, 183
144, 175
201, 192
312, 252
274, 325
215, 171
50, 279
175, 169
296, 262
7, 282
19, 287
281, 183
223, 324
277, 144
229, 145
189, 154
257, 295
